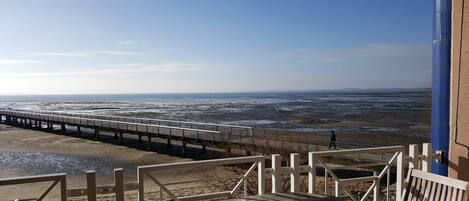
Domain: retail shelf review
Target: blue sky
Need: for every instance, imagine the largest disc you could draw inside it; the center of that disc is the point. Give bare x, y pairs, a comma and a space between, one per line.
88, 46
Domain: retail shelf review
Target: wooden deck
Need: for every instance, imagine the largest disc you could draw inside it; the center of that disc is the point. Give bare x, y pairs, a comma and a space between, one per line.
289, 197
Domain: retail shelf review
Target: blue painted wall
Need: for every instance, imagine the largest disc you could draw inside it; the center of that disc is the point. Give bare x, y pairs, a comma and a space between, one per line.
441, 81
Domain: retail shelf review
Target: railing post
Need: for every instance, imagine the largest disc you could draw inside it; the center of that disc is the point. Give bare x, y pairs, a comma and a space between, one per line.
91, 185
119, 184
325, 180
311, 173
413, 156
428, 156
376, 189
399, 174
140, 184
261, 177
276, 174
337, 189
63, 188
295, 173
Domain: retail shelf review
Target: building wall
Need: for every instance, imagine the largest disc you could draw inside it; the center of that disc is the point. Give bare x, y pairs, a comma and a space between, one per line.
459, 101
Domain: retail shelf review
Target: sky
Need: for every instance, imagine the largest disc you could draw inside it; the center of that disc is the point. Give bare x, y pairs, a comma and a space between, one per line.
182, 46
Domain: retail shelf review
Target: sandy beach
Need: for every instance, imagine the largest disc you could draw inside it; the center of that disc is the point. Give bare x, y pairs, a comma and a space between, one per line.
29, 152
25, 152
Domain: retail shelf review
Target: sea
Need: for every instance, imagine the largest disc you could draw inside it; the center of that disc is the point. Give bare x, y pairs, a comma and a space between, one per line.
347, 111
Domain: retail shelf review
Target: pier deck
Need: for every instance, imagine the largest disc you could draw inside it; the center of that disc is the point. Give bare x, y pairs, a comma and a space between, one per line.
204, 134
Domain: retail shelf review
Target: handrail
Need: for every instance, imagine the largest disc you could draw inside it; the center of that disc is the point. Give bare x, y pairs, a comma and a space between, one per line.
54, 178
132, 119
258, 162
117, 122
398, 157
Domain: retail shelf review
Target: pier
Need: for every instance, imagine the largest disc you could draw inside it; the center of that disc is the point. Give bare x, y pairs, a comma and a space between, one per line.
203, 134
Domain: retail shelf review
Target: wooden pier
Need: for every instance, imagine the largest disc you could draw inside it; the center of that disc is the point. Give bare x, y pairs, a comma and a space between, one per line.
204, 134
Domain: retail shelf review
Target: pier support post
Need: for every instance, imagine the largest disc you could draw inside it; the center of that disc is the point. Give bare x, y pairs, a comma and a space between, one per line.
204, 148
121, 139
115, 136
228, 150
78, 131
149, 142
63, 130
139, 137
184, 148
40, 124
96, 133
168, 139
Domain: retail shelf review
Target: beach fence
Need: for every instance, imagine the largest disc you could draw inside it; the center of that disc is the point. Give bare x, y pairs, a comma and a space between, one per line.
263, 174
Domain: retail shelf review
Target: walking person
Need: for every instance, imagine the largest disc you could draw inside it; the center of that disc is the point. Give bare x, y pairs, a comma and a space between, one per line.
333, 140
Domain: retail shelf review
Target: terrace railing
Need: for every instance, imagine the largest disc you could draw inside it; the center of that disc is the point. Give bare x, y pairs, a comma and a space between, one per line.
296, 171
318, 158
54, 178
258, 162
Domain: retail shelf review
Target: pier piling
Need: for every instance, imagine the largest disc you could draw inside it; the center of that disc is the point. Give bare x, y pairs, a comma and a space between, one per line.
96, 133
78, 131
63, 130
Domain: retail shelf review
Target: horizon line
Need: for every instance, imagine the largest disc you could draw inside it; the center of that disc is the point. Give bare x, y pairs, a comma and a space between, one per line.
225, 92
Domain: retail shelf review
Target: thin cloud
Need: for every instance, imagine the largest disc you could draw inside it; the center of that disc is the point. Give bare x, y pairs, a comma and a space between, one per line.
64, 54
87, 53
122, 69
19, 61
126, 42
113, 52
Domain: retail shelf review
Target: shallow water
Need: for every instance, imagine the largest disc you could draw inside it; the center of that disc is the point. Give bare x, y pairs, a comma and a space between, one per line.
403, 111
45, 163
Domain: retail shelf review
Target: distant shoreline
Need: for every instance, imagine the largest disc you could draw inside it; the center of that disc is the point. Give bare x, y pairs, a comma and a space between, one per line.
352, 90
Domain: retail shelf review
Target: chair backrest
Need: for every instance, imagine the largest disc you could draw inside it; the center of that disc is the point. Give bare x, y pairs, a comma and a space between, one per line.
426, 186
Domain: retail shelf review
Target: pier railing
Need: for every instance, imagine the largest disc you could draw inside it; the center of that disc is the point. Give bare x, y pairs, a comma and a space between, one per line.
223, 128
146, 129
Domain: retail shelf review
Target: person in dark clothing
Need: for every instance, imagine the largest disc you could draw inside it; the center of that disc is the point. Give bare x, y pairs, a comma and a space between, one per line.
333, 140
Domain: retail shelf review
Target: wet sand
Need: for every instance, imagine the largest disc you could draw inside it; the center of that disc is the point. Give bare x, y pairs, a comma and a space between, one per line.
25, 152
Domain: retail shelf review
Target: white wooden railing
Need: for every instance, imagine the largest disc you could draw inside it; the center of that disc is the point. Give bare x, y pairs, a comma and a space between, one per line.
397, 152
258, 162
423, 160
54, 178
295, 171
